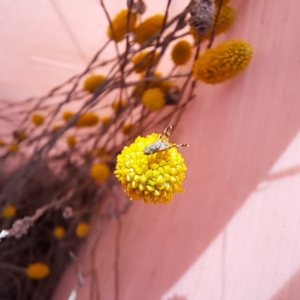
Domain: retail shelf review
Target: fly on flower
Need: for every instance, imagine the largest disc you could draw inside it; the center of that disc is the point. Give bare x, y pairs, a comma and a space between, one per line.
162, 142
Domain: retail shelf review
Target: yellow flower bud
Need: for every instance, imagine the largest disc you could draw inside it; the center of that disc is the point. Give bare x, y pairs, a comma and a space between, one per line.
144, 60
9, 211
59, 232
37, 119
153, 99
92, 82
37, 270
71, 141
82, 229
181, 52
100, 172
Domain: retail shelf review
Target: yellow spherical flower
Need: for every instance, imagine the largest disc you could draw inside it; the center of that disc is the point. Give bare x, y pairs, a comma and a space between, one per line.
106, 120
128, 128
91, 82
153, 99
67, 115
148, 28
20, 135
144, 60
9, 211
2, 143
119, 25
71, 141
37, 119
13, 148
119, 105
151, 178
222, 62
82, 229
37, 270
59, 232
100, 172
181, 52
88, 119
225, 19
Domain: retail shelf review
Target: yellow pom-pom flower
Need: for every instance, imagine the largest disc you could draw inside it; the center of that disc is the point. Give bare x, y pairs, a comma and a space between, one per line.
148, 28
119, 105
37, 119
67, 115
37, 270
181, 52
71, 141
100, 172
119, 25
59, 232
153, 99
222, 62
225, 19
9, 211
151, 178
144, 60
2, 143
13, 148
82, 229
91, 82
87, 119
20, 135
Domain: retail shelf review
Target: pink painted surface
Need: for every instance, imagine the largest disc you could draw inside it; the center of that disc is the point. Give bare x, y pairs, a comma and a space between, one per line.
234, 234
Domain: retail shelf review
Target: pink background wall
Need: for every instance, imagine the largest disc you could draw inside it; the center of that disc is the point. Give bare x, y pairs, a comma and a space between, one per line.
234, 234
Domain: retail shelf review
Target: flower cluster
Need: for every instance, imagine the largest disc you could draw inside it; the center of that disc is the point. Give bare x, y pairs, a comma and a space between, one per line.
151, 178
223, 62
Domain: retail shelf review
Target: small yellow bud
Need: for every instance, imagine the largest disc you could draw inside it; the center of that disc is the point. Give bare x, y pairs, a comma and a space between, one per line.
37, 119
37, 270
100, 172
9, 211
59, 232
82, 229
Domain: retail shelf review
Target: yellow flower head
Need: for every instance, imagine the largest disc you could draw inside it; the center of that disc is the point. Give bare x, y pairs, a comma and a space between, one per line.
9, 211
148, 28
119, 25
37, 270
100, 172
144, 60
153, 99
181, 52
223, 62
88, 119
91, 82
2, 143
151, 178
37, 119
119, 105
20, 135
13, 148
225, 19
59, 232
106, 120
67, 115
82, 229
128, 128
71, 141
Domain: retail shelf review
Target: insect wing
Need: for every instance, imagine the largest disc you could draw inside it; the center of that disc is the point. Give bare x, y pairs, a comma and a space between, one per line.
165, 135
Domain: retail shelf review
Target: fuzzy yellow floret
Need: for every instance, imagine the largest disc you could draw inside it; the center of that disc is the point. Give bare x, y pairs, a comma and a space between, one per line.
181, 52
59, 232
119, 105
151, 178
13, 148
119, 25
9, 211
153, 99
222, 62
100, 172
82, 229
88, 119
91, 82
2, 143
67, 115
148, 28
128, 128
71, 141
37, 270
20, 135
37, 119
225, 19
144, 60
